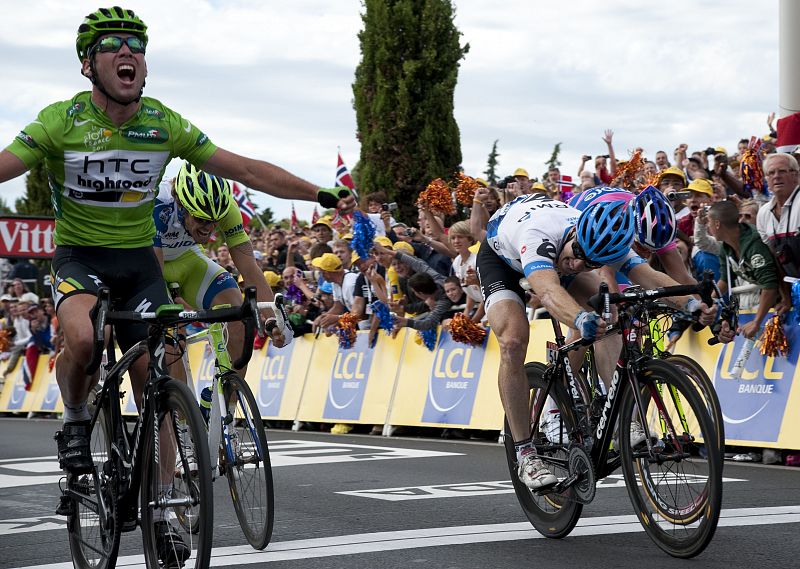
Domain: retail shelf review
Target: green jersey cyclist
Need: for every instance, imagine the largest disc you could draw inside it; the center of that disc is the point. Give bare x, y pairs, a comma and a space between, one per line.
106, 151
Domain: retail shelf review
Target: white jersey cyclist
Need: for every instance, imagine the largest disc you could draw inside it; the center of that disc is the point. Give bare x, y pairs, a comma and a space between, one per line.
529, 233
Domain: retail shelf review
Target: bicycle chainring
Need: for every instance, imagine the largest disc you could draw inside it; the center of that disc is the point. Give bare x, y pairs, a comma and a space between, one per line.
579, 463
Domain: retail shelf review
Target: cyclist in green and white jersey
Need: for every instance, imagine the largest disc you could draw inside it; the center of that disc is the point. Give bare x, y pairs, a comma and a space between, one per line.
187, 211
105, 152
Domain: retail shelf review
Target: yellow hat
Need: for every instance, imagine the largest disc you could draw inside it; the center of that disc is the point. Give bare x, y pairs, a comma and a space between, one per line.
672, 171
721, 150
328, 262
482, 182
272, 277
347, 236
520, 172
326, 221
404, 246
383, 240
354, 257
538, 186
701, 185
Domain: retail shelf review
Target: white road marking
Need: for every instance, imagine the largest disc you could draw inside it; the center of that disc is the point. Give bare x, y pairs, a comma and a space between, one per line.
44, 470
402, 493
445, 536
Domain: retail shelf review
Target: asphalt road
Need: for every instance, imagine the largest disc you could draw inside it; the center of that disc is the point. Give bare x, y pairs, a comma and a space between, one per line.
367, 502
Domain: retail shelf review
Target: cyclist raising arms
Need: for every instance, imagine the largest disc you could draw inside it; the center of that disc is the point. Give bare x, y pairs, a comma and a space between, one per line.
106, 151
187, 211
556, 247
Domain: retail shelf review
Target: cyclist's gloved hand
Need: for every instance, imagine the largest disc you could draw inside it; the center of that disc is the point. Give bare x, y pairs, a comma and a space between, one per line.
276, 333
341, 198
587, 324
701, 312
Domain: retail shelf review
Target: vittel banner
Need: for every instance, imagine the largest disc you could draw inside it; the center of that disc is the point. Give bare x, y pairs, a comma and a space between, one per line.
453, 381
28, 237
349, 381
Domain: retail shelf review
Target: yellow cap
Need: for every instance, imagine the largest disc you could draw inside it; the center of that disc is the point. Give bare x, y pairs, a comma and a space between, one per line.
272, 277
383, 240
328, 262
721, 150
404, 247
347, 236
701, 185
482, 182
672, 171
520, 172
538, 186
326, 221
354, 257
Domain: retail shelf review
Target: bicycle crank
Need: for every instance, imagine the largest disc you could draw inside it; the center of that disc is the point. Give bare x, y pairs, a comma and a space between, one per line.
580, 468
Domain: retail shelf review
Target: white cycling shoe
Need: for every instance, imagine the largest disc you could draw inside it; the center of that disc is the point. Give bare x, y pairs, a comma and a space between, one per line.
533, 473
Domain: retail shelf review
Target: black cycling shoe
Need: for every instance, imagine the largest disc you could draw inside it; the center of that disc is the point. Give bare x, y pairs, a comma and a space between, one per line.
73, 448
66, 506
170, 548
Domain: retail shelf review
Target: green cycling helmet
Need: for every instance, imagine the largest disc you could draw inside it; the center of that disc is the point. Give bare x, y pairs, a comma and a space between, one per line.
203, 195
105, 21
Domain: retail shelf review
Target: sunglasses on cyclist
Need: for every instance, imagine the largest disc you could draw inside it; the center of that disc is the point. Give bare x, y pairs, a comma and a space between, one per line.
580, 254
112, 44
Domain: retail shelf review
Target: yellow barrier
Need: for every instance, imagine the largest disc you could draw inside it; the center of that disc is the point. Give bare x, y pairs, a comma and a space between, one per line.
400, 382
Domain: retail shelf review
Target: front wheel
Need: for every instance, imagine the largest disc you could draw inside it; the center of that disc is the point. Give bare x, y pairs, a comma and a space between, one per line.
176, 477
553, 515
94, 525
675, 489
246, 462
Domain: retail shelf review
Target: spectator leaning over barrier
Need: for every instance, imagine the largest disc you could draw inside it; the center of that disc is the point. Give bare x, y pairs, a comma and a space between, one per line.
428, 287
344, 284
779, 219
406, 266
464, 267
743, 254
700, 195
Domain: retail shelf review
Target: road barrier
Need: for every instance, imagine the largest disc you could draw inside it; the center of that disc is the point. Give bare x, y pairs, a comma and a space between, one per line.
400, 382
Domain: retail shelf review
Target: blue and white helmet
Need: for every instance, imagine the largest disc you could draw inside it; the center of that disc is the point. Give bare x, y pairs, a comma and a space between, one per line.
605, 231
655, 219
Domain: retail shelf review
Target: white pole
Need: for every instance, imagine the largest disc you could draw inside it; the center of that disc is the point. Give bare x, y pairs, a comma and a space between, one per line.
788, 57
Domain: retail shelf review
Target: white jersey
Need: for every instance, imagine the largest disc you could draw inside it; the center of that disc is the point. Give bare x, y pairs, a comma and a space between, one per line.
530, 232
171, 235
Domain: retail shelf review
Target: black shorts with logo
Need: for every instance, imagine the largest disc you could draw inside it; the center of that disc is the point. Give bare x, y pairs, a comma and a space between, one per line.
133, 275
498, 279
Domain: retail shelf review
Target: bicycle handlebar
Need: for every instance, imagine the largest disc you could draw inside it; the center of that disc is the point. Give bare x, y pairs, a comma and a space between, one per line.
635, 295
169, 315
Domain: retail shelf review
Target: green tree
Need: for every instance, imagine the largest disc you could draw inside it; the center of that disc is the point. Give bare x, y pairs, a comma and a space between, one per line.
554, 162
4, 209
491, 165
403, 97
37, 199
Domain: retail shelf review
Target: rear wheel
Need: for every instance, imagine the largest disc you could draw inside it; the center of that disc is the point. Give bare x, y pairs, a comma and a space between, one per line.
176, 478
676, 491
553, 515
94, 530
247, 464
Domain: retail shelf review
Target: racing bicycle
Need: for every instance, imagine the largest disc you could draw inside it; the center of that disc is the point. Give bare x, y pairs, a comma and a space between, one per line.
150, 462
237, 437
675, 489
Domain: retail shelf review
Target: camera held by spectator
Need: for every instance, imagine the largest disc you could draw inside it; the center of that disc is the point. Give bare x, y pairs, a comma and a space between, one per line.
391, 206
503, 184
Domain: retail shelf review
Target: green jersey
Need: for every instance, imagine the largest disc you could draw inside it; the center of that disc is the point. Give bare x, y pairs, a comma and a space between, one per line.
104, 178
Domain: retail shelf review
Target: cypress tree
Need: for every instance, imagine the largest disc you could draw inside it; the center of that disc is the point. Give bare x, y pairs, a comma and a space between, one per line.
491, 165
37, 199
403, 97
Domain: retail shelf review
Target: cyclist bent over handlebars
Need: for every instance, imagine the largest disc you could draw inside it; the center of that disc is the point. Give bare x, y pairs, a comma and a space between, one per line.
559, 251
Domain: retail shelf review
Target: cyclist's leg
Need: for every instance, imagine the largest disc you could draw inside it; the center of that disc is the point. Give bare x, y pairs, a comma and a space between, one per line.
505, 310
74, 284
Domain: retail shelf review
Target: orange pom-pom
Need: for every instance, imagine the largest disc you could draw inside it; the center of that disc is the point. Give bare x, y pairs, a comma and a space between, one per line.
628, 174
465, 331
465, 190
437, 198
5, 340
773, 341
346, 330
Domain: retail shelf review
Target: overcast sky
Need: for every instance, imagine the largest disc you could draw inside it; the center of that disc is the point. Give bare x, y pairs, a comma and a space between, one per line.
273, 79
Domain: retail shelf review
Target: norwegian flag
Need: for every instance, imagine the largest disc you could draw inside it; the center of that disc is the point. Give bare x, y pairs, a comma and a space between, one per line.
246, 207
565, 184
343, 177
29, 363
294, 223
314, 216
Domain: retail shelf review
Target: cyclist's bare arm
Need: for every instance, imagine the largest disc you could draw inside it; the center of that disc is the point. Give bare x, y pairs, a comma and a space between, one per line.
10, 166
267, 178
555, 298
648, 277
674, 265
245, 261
